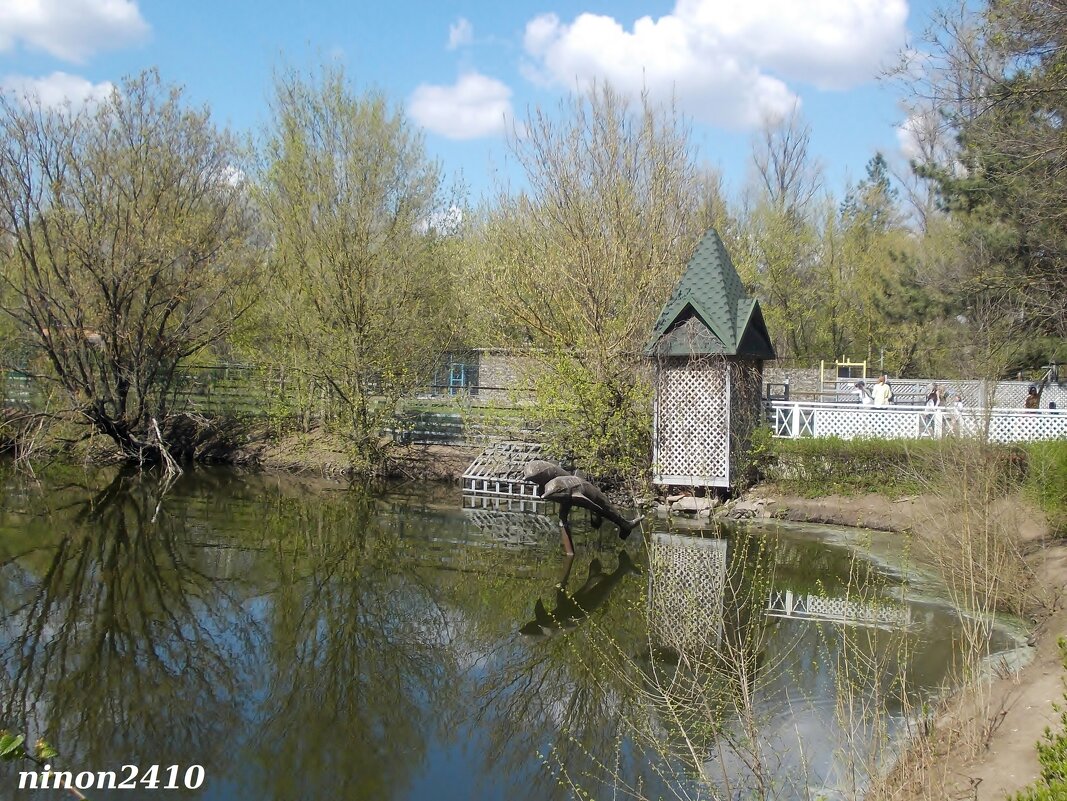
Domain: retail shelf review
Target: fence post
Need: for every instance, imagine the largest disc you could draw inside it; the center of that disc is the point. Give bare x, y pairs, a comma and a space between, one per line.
794, 423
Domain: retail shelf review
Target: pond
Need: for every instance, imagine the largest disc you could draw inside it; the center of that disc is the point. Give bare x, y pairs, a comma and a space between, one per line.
301, 639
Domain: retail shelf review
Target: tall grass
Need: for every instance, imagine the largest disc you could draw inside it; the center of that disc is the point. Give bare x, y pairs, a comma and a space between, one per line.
973, 545
1046, 480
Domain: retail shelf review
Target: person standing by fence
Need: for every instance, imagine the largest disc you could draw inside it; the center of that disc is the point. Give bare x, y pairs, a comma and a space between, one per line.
863, 395
932, 410
957, 414
882, 393
1033, 398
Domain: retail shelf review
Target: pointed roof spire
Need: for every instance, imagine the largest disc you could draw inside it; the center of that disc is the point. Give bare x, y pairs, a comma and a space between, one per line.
708, 312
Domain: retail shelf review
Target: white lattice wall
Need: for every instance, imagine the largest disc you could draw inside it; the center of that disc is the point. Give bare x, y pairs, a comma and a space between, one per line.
1020, 426
686, 582
692, 424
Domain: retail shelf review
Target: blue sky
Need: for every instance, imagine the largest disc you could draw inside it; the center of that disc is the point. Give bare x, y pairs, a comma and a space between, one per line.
462, 70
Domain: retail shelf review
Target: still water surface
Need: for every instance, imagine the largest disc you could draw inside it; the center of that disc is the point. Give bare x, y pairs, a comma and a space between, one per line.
301, 639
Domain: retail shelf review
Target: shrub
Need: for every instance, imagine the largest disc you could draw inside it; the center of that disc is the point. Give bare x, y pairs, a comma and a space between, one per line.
1046, 480
830, 464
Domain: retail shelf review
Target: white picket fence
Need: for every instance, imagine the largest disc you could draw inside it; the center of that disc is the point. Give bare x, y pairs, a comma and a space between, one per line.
849, 611
849, 421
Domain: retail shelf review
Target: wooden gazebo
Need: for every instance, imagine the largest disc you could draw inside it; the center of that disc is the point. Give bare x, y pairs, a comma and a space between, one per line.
709, 345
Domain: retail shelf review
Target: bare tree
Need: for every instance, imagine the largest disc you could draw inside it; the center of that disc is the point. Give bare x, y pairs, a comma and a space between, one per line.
579, 264
127, 234
787, 172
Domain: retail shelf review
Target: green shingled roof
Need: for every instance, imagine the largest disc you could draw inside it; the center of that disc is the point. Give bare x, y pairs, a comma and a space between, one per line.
708, 311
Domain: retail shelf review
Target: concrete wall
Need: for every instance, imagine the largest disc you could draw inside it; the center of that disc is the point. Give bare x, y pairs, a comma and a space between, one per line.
801, 379
505, 377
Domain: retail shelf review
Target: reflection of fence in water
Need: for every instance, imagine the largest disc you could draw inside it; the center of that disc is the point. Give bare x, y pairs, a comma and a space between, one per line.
510, 522
686, 585
849, 611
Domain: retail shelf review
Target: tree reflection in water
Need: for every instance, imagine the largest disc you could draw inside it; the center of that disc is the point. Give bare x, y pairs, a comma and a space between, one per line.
310, 640
120, 640
358, 648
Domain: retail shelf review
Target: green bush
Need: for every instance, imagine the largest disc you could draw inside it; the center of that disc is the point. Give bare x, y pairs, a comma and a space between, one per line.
899, 467
1046, 480
829, 464
602, 425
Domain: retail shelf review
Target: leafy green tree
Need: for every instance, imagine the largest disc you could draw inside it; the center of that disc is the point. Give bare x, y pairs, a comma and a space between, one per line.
125, 238
775, 258
872, 203
360, 296
578, 265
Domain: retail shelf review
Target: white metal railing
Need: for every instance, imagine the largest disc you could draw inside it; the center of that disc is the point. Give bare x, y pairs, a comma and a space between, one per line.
848, 421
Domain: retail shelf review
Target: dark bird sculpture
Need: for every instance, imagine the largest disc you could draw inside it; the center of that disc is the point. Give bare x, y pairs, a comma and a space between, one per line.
540, 472
569, 491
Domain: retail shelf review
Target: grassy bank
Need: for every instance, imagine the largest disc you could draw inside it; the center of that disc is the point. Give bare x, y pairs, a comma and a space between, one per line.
814, 467
420, 442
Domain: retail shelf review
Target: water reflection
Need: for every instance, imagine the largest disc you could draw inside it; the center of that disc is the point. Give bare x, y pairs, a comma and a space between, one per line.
297, 640
117, 636
572, 607
785, 670
303, 639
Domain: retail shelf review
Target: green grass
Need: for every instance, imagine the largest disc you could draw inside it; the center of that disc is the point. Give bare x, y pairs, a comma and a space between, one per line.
1046, 480
827, 465
812, 467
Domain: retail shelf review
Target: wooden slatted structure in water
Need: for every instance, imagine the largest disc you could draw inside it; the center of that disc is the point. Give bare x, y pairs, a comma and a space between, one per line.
497, 471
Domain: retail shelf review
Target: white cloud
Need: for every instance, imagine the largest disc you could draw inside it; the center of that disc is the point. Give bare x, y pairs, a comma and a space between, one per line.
833, 44
473, 107
460, 33
446, 221
925, 137
911, 134
56, 89
71, 30
726, 62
